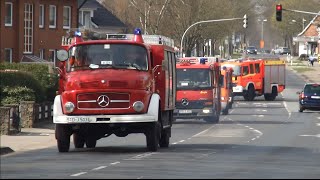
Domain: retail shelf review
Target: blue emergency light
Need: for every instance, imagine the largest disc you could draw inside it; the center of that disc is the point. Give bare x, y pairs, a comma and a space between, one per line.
137, 31
77, 33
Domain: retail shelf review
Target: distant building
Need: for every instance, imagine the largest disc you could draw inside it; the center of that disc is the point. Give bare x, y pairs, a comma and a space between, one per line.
31, 30
309, 39
95, 17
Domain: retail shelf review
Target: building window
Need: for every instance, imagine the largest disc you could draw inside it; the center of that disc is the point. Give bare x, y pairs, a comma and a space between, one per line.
8, 15
41, 16
52, 55
41, 53
28, 30
66, 17
52, 16
84, 18
8, 55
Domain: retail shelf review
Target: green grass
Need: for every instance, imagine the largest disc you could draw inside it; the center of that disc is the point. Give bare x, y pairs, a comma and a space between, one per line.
303, 69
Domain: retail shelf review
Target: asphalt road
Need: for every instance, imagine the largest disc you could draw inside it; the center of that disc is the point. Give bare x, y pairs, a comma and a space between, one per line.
258, 139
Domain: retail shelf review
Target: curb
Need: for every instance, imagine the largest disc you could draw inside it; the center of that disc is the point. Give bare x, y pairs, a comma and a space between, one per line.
5, 150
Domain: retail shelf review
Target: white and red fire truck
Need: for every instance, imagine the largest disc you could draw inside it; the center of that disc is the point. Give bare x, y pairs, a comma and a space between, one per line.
103, 93
198, 89
257, 77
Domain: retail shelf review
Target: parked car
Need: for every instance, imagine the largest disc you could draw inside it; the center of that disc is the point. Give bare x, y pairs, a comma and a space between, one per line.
251, 50
282, 50
309, 97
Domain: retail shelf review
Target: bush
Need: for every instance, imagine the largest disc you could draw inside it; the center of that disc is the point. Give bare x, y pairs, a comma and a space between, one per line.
41, 72
13, 95
18, 82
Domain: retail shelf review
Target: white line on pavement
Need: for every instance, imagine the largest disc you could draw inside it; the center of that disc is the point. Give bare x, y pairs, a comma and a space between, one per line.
79, 174
98, 168
114, 163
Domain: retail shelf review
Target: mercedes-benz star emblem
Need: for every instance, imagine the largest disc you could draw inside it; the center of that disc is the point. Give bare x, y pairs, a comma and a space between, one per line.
185, 102
103, 100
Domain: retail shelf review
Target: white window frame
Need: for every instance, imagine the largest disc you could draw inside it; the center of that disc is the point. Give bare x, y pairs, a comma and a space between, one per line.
5, 52
69, 17
55, 16
28, 28
81, 17
54, 55
11, 10
41, 53
41, 16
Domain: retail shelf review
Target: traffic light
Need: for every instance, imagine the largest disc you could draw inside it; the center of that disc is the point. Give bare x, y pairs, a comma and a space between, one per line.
245, 21
279, 12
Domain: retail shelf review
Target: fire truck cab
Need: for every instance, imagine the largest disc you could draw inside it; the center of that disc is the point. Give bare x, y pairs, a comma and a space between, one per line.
198, 89
226, 89
122, 84
257, 77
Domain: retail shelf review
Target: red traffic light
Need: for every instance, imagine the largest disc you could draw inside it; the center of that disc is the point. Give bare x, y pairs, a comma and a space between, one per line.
279, 7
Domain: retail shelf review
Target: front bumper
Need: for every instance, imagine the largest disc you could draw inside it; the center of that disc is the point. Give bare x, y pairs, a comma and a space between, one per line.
192, 113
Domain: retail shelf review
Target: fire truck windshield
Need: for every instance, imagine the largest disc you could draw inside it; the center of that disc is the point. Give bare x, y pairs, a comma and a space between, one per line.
193, 79
98, 56
236, 69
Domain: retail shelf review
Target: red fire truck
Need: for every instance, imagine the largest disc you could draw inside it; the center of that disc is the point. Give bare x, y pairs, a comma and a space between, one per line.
122, 84
226, 89
198, 89
257, 77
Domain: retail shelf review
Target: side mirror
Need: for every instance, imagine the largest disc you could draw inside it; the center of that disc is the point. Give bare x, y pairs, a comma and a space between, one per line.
62, 55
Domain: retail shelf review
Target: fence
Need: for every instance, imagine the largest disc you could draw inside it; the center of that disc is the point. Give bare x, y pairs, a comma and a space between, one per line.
26, 115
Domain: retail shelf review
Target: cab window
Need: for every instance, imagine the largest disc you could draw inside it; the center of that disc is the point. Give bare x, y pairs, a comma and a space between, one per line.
257, 67
245, 70
251, 69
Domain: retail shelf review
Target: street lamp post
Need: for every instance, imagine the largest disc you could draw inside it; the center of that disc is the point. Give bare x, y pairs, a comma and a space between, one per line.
265, 20
215, 20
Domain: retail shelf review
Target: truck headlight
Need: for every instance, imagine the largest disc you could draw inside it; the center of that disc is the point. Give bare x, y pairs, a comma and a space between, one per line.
138, 106
222, 98
206, 111
69, 106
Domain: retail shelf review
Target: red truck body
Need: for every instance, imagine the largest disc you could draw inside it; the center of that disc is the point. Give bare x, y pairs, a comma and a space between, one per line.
105, 95
198, 89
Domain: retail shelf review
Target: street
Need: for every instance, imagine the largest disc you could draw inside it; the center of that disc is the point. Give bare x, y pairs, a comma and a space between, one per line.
258, 139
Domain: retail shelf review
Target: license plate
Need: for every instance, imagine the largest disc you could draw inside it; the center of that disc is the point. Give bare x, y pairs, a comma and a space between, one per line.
185, 111
315, 97
80, 119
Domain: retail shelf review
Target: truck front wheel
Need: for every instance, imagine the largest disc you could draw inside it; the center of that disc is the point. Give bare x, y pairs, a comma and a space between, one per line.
165, 138
63, 133
78, 140
91, 142
152, 136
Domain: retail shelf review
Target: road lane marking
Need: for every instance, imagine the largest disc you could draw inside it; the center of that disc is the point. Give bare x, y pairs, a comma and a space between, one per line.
318, 124
79, 174
317, 135
203, 131
114, 163
141, 156
253, 139
289, 112
181, 141
140, 177
98, 168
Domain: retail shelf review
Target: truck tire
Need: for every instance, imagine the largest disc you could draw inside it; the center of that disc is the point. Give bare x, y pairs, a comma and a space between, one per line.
63, 133
152, 137
272, 96
251, 93
78, 140
91, 143
165, 138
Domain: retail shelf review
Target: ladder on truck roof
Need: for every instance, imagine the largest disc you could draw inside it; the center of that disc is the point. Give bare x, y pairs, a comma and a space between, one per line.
148, 39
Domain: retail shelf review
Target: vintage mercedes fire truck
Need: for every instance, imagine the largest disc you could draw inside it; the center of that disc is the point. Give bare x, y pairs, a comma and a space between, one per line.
121, 84
198, 89
226, 90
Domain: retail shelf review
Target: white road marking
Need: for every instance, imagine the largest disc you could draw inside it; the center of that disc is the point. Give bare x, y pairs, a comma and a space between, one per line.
141, 156
174, 143
286, 106
114, 163
181, 141
318, 117
202, 132
318, 124
78, 174
253, 139
98, 168
317, 135
140, 177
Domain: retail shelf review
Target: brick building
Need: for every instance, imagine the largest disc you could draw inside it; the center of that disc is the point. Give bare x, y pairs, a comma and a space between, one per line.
31, 30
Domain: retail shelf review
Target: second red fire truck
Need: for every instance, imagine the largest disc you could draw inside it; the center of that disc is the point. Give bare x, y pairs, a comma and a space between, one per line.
198, 89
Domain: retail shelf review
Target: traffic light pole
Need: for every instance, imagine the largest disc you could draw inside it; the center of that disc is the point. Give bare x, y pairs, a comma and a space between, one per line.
305, 12
215, 20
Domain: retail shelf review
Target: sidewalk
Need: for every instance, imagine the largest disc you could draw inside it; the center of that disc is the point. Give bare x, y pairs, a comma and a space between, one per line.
39, 137
42, 136
308, 73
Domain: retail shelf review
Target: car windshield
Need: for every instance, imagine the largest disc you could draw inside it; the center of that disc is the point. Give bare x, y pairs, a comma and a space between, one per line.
99, 56
251, 47
312, 89
193, 79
